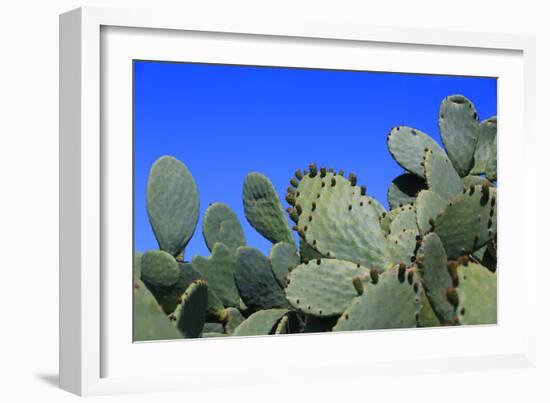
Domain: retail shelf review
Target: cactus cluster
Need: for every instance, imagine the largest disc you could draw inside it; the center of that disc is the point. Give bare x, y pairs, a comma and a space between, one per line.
430, 260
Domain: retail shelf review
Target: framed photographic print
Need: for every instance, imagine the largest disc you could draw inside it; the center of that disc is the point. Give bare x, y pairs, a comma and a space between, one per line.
257, 192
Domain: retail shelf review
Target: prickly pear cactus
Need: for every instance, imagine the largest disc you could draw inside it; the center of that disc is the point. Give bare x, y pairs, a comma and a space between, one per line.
263, 209
172, 204
337, 219
430, 260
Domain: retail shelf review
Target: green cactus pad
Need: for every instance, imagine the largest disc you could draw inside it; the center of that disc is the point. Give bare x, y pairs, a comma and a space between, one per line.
377, 206
407, 146
428, 205
391, 303
263, 209
137, 267
402, 246
234, 319
404, 220
404, 189
159, 269
458, 126
338, 221
255, 280
191, 312
441, 176
282, 257
219, 270
486, 147
324, 287
436, 278
427, 316
260, 323
468, 222
477, 293
149, 322
220, 224
172, 204
387, 218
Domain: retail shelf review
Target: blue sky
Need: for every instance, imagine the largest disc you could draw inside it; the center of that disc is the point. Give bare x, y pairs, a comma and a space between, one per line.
226, 121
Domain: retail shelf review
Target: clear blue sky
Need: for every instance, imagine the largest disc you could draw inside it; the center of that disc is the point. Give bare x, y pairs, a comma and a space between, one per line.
225, 121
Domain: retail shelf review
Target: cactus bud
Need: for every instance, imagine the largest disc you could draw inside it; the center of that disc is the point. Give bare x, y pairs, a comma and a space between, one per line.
312, 169
358, 285
290, 199
374, 275
298, 174
353, 179
401, 272
323, 172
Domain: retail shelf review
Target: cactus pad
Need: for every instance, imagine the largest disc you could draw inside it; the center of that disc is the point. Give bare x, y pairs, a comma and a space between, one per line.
283, 257
191, 312
220, 224
458, 126
427, 316
436, 278
159, 269
485, 156
263, 209
137, 267
260, 323
391, 303
428, 205
172, 204
404, 189
441, 176
404, 220
477, 295
324, 287
402, 246
149, 322
255, 280
387, 218
407, 146
468, 222
338, 221
219, 270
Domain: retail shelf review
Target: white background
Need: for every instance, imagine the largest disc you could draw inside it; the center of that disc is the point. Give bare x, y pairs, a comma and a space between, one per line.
29, 201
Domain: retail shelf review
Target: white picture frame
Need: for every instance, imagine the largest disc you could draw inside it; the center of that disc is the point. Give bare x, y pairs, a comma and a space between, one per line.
96, 42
